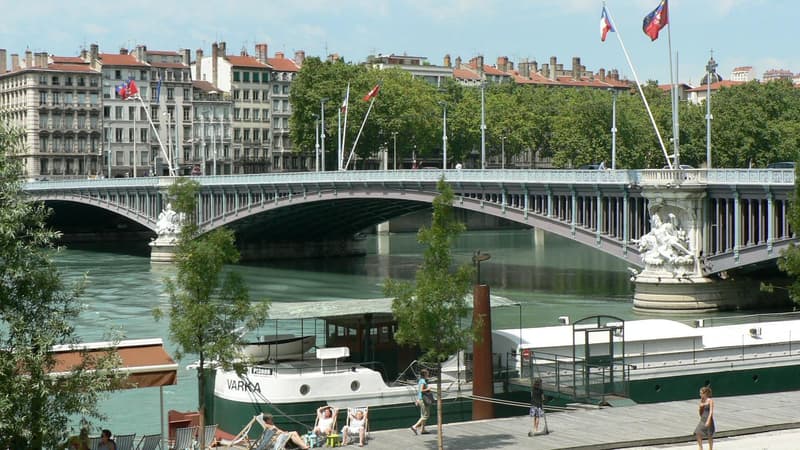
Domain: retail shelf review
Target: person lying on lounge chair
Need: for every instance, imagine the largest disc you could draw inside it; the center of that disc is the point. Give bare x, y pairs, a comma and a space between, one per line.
326, 421
282, 435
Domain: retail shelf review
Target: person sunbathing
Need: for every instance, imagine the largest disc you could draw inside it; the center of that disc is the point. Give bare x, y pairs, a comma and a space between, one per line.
292, 435
358, 426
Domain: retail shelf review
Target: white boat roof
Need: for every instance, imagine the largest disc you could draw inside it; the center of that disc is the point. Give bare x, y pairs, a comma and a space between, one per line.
352, 307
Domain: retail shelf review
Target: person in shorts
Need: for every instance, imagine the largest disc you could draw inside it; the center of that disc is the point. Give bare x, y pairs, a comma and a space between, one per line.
537, 402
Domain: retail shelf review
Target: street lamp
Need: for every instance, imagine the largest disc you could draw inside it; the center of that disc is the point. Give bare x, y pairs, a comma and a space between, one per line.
502, 152
316, 140
613, 128
394, 137
322, 129
711, 69
444, 135
483, 124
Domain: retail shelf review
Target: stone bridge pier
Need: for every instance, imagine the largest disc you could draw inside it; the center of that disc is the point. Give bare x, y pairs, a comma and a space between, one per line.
673, 279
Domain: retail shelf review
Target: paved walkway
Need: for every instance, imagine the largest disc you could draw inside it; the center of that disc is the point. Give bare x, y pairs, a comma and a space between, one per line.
760, 421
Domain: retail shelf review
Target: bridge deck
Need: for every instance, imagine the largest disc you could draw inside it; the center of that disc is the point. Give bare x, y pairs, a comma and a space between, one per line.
620, 427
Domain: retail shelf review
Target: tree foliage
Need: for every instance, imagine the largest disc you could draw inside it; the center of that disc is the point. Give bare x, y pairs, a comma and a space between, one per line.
429, 313
209, 307
37, 310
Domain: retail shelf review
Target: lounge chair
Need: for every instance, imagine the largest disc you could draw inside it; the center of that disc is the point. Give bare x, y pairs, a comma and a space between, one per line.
184, 438
264, 440
242, 438
150, 442
347, 432
94, 441
334, 414
124, 441
210, 432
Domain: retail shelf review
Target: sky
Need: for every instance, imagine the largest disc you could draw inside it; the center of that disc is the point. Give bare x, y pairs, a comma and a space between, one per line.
754, 33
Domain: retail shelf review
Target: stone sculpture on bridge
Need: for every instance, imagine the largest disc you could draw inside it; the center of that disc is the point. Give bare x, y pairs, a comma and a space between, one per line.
666, 247
169, 222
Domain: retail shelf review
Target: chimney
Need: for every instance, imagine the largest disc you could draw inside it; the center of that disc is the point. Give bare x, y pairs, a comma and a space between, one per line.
40, 59
458, 62
602, 74
3, 61
187, 56
546, 70
198, 68
524, 68
14, 62
141, 53
576, 68
94, 55
535, 66
123, 51
222, 49
614, 75
279, 55
447, 60
214, 56
502, 63
299, 57
261, 53
480, 64
511, 66
553, 62
84, 54
28, 59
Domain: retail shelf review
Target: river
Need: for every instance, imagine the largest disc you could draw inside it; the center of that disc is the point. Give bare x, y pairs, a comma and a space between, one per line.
548, 275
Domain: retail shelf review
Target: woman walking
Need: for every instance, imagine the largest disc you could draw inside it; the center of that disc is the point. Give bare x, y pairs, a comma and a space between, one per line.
705, 429
424, 397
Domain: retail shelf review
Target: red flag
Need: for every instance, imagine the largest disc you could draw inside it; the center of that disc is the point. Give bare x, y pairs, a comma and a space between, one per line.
372, 93
656, 20
122, 90
605, 25
132, 89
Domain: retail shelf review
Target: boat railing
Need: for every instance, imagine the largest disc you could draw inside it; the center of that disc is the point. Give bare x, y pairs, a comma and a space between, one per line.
313, 366
750, 318
644, 359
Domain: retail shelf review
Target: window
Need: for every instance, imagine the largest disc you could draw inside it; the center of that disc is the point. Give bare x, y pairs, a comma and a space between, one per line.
43, 144
117, 113
276, 105
42, 98
286, 89
117, 74
246, 76
265, 114
93, 82
265, 77
255, 114
276, 89
143, 134
265, 135
42, 79
119, 158
118, 134
67, 81
132, 112
187, 114
246, 134
143, 75
237, 134
131, 134
81, 82
255, 95
42, 121
81, 98
185, 94
246, 94
236, 113
236, 76
236, 94
68, 98
170, 93
256, 77
246, 114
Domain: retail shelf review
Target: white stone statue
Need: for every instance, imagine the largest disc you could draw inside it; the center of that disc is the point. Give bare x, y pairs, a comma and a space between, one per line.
665, 245
169, 222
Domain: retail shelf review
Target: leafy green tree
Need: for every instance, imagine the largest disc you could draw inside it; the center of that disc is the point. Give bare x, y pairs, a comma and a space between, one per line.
209, 307
36, 312
429, 313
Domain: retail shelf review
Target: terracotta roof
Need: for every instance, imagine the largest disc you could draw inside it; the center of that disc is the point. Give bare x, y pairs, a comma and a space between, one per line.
68, 59
115, 59
489, 70
204, 86
743, 68
71, 67
283, 64
465, 74
246, 61
534, 78
717, 85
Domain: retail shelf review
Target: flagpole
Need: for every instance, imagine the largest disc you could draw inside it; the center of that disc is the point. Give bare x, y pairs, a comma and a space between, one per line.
339, 140
372, 102
344, 128
674, 96
639, 86
158, 138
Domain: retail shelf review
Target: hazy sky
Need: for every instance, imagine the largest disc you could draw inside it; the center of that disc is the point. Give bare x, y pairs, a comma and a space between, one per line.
741, 32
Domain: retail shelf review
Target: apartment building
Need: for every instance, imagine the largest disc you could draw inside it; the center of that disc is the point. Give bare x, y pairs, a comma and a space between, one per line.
743, 73
57, 101
284, 71
418, 66
213, 110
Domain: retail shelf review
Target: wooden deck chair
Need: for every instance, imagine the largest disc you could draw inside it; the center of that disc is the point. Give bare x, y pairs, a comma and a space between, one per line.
280, 442
184, 438
351, 412
242, 438
94, 441
209, 433
150, 442
124, 441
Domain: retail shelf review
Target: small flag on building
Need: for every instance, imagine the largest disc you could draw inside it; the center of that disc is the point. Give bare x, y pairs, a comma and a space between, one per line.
346, 99
158, 89
656, 20
605, 25
372, 93
122, 90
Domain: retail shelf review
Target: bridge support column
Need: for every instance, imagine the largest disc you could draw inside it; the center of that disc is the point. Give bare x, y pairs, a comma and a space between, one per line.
673, 279
384, 247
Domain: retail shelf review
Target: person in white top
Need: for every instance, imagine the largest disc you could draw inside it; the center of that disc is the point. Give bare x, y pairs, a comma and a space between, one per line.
358, 422
326, 416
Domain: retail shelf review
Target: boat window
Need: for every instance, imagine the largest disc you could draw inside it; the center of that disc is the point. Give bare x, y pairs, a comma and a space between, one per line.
355, 385
304, 389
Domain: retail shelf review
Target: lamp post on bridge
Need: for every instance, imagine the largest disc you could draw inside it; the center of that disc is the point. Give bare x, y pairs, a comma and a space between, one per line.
613, 128
503, 152
711, 69
316, 143
322, 129
444, 134
394, 152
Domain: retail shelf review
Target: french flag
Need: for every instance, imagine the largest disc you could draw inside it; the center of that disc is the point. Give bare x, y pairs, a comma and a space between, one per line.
132, 88
122, 90
605, 25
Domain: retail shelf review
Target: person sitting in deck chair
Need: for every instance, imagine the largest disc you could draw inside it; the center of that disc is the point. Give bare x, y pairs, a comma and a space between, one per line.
280, 438
356, 426
326, 421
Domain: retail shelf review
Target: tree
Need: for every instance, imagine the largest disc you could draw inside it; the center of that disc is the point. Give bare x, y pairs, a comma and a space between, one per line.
429, 314
36, 312
209, 307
